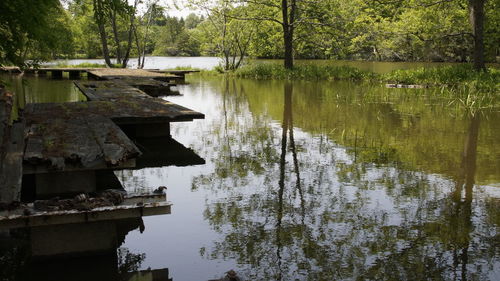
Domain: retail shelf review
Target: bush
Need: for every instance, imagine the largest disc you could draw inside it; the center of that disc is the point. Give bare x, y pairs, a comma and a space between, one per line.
446, 75
305, 72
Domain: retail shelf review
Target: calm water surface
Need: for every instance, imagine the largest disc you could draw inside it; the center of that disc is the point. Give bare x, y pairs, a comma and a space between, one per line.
322, 181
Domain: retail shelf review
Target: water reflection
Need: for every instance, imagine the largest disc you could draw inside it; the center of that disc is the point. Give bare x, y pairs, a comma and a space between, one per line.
324, 181
34, 89
461, 216
314, 210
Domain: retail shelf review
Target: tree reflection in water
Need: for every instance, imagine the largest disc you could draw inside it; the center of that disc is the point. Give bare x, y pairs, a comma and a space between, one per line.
301, 207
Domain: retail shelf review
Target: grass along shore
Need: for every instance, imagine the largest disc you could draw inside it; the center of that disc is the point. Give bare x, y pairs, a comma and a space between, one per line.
431, 76
459, 84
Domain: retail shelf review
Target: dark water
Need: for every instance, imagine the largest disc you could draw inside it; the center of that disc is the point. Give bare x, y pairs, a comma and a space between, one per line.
322, 181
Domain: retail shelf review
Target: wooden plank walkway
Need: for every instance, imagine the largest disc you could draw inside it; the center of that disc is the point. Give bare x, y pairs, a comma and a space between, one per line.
62, 146
150, 86
10, 69
60, 138
56, 72
78, 136
181, 73
103, 73
131, 105
120, 73
133, 206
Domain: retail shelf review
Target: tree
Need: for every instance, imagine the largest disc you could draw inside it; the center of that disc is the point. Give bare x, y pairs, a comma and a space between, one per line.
476, 15
174, 39
36, 29
100, 9
111, 10
142, 29
87, 41
131, 15
192, 21
224, 35
283, 13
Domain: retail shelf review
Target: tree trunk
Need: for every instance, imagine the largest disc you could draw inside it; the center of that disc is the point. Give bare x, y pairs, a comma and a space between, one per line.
99, 18
117, 39
104, 42
288, 27
476, 16
138, 44
129, 46
143, 57
288, 37
130, 36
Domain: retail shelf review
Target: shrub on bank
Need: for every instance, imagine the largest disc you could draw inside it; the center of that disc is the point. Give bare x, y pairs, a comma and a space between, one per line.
462, 78
455, 76
306, 72
445, 75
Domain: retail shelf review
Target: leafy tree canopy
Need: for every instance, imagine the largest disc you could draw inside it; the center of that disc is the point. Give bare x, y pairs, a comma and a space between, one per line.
35, 29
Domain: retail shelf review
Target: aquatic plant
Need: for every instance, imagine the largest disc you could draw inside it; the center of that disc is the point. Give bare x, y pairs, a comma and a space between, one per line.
444, 75
458, 84
305, 72
462, 85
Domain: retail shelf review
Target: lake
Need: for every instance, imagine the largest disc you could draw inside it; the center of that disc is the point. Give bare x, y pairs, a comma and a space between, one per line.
208, 63
318, 181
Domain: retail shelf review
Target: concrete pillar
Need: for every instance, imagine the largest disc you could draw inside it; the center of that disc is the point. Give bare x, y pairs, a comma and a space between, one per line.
74, 74
56, 74
146, 130
53, 184
152, 130
91, 76
73, 239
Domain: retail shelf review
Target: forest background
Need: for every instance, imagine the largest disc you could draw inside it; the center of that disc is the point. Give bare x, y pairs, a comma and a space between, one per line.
379, 30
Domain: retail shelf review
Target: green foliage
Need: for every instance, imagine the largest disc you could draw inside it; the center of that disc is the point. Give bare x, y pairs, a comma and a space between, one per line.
306, 72
267, 42
460, 84
455, 75
491, 30
87, 44
414, 31
176, 37
222, 34
407, 30
33, 29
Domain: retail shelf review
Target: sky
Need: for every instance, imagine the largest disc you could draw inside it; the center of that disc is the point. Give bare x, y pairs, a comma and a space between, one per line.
174, 8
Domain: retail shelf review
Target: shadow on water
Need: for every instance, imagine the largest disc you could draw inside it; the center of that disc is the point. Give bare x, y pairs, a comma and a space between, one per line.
36, 254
